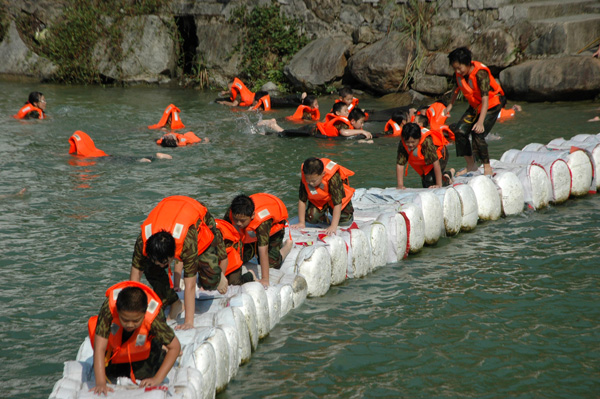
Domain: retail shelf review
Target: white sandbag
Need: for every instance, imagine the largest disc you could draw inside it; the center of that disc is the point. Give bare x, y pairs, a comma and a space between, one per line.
299, 287
591, 147
396, 227
415, 227
245, 304
586, 138
275, 276
220, 344
377, 239
338, 254
65, 388
232, 346
257, 292
287, 299
469, 207
433, 216
78, 371
512, 197
289, 263
314, 264
85, 352
188, 383
359, 253
451, 209
226, 318
544, 178
274, 300
129, 392
488, 198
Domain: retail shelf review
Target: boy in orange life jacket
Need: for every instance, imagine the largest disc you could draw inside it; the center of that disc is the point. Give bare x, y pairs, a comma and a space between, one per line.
180, 228
128, 336
34, 108
324, 189
180, 140
486, 99
260, 219
393, 127
308, 110
240, 95
420, 151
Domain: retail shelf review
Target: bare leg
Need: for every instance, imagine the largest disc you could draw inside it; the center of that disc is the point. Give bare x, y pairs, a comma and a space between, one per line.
271, 124
470, 163
285, 250
487, 169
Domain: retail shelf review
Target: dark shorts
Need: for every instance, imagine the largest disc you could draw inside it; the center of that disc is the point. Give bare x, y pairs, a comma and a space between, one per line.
477, 147
315, 215
237, 278
142, 369
275, 243
429, 179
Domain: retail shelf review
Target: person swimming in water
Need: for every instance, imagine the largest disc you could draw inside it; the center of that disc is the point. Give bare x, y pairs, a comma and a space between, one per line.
34, 108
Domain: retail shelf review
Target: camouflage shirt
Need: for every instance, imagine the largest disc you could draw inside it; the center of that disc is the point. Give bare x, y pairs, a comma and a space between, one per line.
428, 149
159, 328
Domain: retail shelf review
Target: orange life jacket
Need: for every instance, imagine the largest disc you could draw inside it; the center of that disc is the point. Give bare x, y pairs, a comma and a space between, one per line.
266, 206
246, 96
394, 127
314, 113
183, 139
470, 89
416, 158
173, 112
328, 129
234, 256
27, 109
264, 102
320, 196
137, 347
506, 114
175, 215
81, 144
435, 115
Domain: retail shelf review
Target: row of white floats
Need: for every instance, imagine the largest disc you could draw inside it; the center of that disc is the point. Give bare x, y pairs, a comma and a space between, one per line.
389, 224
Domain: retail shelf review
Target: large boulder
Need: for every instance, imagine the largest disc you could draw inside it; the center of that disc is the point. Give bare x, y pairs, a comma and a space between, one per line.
495, 48
430, 84
382, 65
18, 59
570, 78
216, 49
148, 52
319, 62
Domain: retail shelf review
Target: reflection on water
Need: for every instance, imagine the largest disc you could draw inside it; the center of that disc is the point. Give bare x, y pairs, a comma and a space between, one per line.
510, 309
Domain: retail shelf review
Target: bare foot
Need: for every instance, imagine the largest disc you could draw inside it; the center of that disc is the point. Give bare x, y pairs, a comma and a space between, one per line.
161, 155
146, 160
303, 96
487, 169
595, 119
461, 172
206, 140
517, 108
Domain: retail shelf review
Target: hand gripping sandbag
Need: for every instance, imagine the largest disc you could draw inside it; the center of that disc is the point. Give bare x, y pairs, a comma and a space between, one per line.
511, 191
582, 172
591, 147
469, 207
245, 304
488, 198
259, 296
314, 264
543, 180
376, 237
299, 287
359, 252
451, 209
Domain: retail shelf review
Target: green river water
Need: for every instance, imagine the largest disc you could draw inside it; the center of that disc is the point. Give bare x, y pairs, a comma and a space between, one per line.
511, 309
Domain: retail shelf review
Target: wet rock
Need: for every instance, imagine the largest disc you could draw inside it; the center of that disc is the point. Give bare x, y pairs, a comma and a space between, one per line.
569, 78
326, 10
494, 48
437, 64
382, 65
319, 62
216, 49
18, 59
148, 52
430, 84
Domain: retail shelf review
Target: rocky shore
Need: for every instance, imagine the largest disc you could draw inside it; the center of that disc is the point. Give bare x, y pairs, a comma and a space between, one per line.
540, 50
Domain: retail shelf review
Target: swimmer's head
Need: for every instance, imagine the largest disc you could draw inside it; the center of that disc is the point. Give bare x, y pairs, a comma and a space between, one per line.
37, 99
411, 135
340, 109
169, 140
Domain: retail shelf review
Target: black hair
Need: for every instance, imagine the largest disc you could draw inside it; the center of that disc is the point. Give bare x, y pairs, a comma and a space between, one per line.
260, 94
356, 114
411, 131
132, 299
160, 247
242, 205
309, 100
344, 91
313, 166
337, 107
422, 119
444, 101
462, 55
169, 140
34, 97
400, 116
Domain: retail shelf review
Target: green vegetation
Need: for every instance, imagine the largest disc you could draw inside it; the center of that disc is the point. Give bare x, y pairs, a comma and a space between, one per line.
70, 43
268, 41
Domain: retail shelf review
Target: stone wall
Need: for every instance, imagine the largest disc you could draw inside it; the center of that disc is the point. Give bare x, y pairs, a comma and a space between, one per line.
357, 42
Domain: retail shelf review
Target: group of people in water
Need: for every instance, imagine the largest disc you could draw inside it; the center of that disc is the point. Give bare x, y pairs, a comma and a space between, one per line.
180, 238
